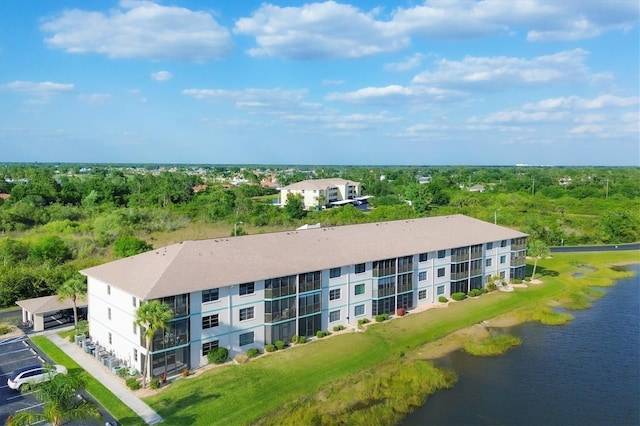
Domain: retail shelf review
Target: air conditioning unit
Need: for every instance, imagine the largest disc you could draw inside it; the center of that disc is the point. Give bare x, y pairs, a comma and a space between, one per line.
112, 363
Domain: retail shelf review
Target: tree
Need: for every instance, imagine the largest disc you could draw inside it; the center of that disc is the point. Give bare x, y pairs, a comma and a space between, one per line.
537, 249
152, 316
128, 245
294, 207
13, 251
73, 288
61, 403
52, 250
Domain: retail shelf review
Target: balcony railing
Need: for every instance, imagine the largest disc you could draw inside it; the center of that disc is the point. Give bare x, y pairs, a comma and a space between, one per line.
459, 275
279, 316
274, 293
460, 258
309, 309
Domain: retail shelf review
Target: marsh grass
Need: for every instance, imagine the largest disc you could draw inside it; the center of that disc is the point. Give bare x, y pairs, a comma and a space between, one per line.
383, 394
493, 346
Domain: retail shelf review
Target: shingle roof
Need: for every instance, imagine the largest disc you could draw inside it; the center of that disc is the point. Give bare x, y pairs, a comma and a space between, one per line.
318, 184
40, 305
198, 265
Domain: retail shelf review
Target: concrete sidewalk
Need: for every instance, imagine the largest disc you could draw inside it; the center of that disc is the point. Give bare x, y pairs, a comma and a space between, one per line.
108, 379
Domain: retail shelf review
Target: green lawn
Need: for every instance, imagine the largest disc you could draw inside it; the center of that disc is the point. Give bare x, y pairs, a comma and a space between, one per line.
108, 400
241, 394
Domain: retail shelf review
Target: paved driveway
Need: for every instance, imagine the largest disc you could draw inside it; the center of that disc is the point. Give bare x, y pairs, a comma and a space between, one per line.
16, 353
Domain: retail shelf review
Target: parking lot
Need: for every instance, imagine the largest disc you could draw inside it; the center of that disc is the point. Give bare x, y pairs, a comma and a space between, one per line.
16, 353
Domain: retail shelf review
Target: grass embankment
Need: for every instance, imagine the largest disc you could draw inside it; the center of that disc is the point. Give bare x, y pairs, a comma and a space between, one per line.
493, 346
275, 387
103, 395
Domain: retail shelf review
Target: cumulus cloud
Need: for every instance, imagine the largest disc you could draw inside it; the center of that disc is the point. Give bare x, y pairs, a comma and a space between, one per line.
394, 94
253, 99
140, 29
161, 76
40, 92
319, 30
575, 102
499, 72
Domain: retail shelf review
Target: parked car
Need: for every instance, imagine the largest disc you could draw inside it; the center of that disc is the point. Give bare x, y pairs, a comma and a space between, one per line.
34, 374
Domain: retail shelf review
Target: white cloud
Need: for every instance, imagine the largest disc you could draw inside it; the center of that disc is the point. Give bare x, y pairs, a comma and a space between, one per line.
409, 63
273, 100
161, 76
500, 72
394, 94
318, 30
575, 102
525, 117
41, 92
140, 29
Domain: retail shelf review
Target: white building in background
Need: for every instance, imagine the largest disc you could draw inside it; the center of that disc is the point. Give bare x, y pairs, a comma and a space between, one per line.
318, 193
245, 292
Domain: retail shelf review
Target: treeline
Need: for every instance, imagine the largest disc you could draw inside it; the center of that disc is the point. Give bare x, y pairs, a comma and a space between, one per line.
58, 219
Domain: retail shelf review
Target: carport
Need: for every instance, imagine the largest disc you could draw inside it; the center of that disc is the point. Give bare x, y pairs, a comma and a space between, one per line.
47, 312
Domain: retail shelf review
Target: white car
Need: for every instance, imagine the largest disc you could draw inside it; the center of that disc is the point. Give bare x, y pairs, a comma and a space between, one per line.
34, 374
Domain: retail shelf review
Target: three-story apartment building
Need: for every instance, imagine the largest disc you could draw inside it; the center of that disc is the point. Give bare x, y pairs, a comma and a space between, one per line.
245, 292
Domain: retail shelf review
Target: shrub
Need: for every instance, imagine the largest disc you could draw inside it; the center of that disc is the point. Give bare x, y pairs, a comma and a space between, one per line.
302, 339
338, 328
270, 347
363, 321
253, 352
382, 317
458, 296
241, 358
123, 372
185, 372
4, 329
527, 279
133, 383
320, 334
492, 287
443, 299
154, 383
218, 355
72, 338
516, 281
475, 292
295, 339
279, 344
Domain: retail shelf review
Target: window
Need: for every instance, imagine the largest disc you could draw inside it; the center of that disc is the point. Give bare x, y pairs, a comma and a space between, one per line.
209, 346
246, 313
108, 289
422, 276
422, 294
135, 328
110, 339
334, 294
503, 243
109, 313
442, 254
360, 268
334, 316
423, 257
502, 275
487, 262
210, 321
489, 246
246, 338
210, 295
247, 288
358, 310
135, 355
335, 272
503, 259
440, 290
133, 299
359, 289
441, 272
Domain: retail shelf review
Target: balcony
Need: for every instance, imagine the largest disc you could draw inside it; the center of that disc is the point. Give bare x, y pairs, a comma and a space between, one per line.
460, 258
459, 275
274, 293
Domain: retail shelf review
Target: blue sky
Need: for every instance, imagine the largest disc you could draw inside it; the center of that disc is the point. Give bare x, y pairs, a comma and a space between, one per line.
491, 82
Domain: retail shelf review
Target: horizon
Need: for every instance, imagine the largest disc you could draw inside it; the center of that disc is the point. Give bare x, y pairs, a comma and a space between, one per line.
479, 83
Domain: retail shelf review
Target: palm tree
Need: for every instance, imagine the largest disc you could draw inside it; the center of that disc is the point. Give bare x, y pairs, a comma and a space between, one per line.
61, 403
152, 316
537, 249
74, 288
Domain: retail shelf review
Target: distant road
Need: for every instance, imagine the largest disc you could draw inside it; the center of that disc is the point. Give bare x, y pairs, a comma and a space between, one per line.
567, 249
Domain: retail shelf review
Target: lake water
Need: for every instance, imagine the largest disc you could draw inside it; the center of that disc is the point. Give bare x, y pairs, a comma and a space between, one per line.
583, 373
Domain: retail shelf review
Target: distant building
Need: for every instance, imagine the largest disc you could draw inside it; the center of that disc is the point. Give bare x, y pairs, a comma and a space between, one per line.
565, 181
318, 193
477, 188
199, 188
424, 179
